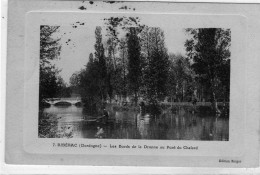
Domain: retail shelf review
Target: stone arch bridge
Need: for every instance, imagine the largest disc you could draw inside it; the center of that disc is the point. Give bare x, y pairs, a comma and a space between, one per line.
64, 101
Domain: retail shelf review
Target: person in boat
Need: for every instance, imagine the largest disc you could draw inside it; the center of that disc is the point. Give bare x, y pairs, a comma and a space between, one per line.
100, 132
105, 115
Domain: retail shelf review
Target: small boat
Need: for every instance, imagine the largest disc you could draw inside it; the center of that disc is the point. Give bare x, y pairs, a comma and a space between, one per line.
90, 120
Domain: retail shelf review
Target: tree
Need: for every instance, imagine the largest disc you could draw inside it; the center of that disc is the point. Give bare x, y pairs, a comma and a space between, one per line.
117, 52
90, 86
101, 63
172, 82
134, 62
145, 42
208, 49
49, 47
49, 50
123, 64
63, 89
48, 83
110, 69
181, 78
75, 79
75, 82
157, 69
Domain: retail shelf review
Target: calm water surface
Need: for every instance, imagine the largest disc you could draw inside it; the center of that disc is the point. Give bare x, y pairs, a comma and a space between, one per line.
181, 125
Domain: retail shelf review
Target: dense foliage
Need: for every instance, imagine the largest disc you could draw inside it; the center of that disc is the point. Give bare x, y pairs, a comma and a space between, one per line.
51, 84
126, 72
208, 49
131, 63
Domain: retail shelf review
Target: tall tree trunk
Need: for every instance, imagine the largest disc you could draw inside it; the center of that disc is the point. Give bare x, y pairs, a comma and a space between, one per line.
171, 102
214, 103
135, 98
114, 59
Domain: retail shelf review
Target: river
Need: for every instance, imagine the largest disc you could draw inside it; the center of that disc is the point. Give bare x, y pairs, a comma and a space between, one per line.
182, 125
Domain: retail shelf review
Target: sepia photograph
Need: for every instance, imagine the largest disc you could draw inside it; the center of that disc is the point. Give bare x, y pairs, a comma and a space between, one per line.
122, 78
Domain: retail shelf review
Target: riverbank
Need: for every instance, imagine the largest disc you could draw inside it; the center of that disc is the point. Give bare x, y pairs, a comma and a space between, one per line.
199, 108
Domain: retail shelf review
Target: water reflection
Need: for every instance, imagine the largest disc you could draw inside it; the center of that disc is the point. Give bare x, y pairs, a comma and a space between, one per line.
181, 125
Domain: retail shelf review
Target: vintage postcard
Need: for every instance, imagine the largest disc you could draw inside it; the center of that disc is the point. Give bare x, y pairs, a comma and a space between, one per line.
111, 78
143, 84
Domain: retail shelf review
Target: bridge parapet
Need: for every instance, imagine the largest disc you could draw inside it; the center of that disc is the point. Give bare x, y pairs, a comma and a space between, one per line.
54, 101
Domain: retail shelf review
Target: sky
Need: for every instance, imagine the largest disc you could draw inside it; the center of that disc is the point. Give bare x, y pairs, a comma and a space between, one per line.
78, 39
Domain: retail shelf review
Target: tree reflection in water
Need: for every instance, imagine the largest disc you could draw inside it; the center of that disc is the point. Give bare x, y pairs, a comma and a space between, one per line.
179, 125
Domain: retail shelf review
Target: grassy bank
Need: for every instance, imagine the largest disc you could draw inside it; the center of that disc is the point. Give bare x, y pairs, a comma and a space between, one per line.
47, 126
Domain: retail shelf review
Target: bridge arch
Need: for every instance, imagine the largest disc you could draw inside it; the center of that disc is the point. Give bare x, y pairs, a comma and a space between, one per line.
45, 104
63, 103
79, 103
